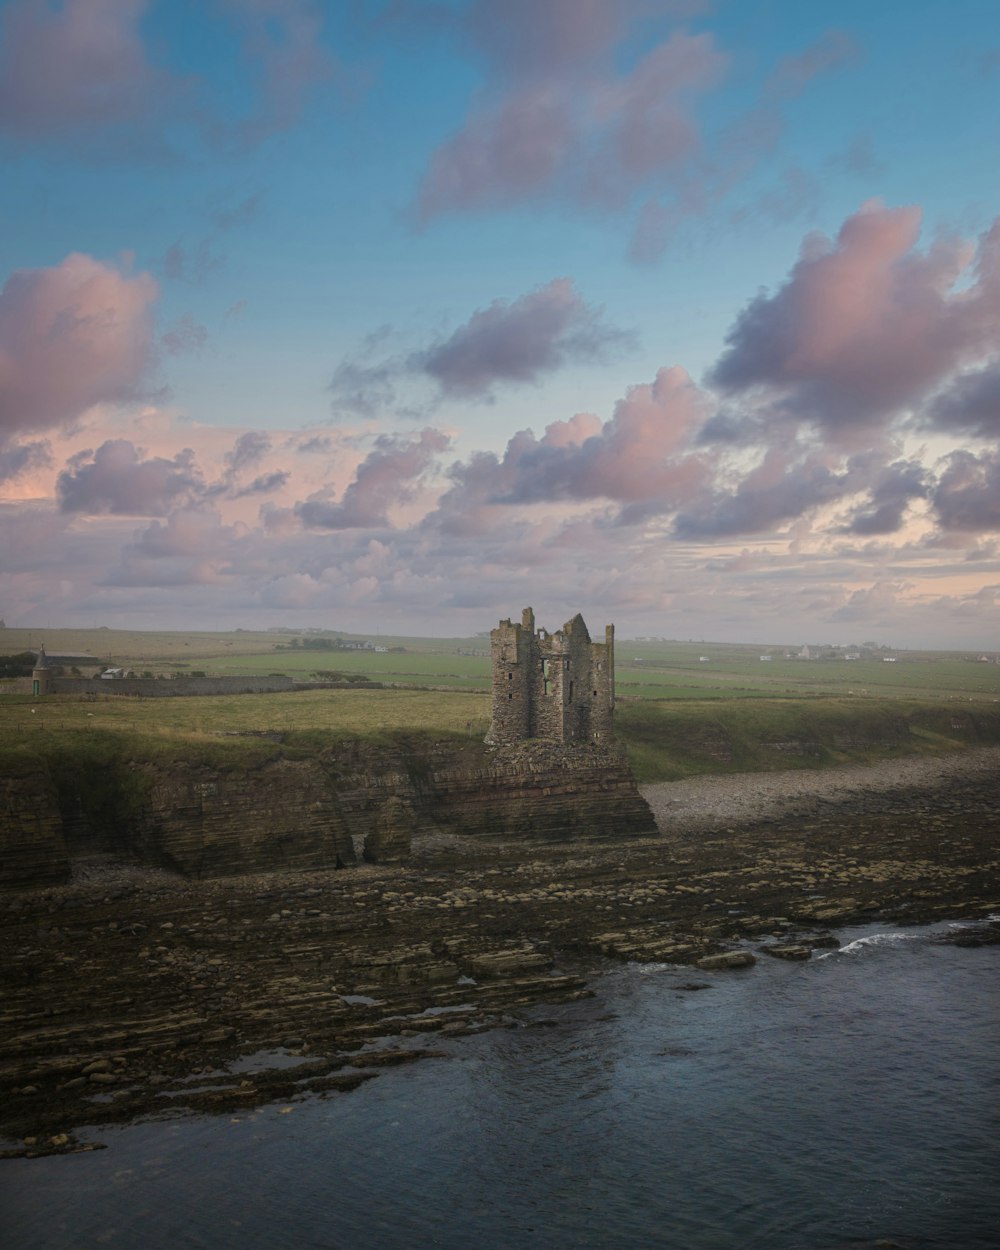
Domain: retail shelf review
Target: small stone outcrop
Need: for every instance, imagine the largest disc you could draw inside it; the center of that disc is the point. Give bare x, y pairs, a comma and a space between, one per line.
727, 959
547, 791
389, 842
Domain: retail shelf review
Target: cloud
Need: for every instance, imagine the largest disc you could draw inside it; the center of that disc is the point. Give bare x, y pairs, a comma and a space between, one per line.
185, 335
80, 72
833, 50
787, 483
265, 484
639, 459
890, 496
186, 532
240, 214
77, 68
389, 475
366, 390
248, 450
563, 120
508, 342
72, 336
864, 327
520, 341
22, 458
282, 41
193, 547
569, 112
879, 604
737, 150
116, 480
192, 265
966, 496
970, 404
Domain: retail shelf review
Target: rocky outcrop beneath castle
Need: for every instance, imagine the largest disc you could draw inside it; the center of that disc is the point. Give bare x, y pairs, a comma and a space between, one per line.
545, 790
356, 802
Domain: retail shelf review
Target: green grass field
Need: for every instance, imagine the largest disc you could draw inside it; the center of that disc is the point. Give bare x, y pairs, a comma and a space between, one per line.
646, 670
665, 739
677, 715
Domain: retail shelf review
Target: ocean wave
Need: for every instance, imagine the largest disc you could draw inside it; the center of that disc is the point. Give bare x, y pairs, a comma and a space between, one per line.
871, 941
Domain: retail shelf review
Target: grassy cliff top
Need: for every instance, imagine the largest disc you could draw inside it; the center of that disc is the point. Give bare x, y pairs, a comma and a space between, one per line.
665, 740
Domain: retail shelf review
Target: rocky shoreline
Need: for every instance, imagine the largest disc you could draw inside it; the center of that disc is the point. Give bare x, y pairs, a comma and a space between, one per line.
132, 992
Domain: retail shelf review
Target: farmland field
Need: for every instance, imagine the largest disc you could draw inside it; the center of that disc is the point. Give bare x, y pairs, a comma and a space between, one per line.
677, 702
646, 670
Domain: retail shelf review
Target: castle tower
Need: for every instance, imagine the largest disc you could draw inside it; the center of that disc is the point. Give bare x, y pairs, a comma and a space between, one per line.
557, 686
41, 674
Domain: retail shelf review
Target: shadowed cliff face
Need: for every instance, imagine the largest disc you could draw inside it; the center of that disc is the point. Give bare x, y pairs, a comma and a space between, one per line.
358, 801
32, 848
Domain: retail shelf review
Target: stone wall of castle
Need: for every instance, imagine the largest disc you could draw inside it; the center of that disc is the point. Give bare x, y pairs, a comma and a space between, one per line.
559, 687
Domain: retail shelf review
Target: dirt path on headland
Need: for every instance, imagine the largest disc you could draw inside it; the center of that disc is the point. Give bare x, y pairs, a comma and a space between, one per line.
130, 991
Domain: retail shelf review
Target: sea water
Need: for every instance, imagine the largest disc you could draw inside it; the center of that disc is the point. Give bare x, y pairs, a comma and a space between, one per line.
790, 1106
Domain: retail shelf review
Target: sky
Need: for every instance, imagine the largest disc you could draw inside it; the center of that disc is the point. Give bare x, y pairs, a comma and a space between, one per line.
398, 316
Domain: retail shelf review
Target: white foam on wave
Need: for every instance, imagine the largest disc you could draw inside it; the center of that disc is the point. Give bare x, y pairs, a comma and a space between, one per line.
873, 940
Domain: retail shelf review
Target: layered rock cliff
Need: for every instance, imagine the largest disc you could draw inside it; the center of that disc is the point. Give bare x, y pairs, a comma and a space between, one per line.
32, 847
356, 801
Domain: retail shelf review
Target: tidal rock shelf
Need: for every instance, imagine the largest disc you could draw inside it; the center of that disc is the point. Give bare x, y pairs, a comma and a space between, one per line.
132, 991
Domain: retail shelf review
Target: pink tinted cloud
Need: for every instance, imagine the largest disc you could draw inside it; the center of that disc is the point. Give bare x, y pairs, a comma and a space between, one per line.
81, 71
650, 125
390, 474
559, 117
118, 480
523, 39
77, 66
72, 336
186, 532
517, 148
730, 157
23, 458
640, 459
865, 326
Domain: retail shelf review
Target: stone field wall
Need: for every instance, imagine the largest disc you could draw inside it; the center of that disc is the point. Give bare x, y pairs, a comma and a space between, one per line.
156, 688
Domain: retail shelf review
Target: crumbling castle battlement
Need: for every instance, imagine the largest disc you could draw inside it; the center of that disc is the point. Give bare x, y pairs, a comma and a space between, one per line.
557, 686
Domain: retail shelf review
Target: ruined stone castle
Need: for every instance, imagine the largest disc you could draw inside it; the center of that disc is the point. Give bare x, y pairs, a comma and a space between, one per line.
557, 686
